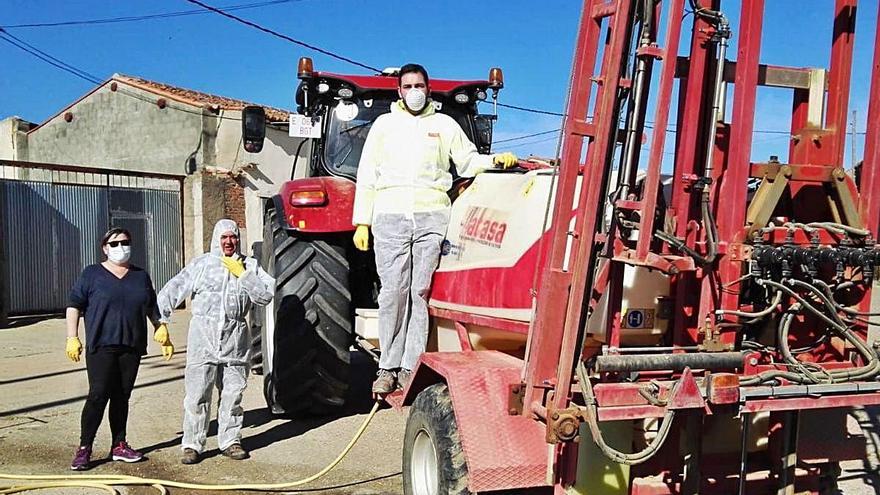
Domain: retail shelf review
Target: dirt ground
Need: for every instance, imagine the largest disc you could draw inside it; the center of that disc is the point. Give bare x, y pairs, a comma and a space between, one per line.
42, 393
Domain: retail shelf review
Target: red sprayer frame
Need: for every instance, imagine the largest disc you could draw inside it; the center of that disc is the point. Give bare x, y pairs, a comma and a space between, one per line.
744, 245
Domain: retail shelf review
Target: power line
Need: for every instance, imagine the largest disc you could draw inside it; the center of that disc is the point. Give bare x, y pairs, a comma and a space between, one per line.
165, 15
526, 136
42, 55
60, 64
530, 110
45, 57
537, 141
283, 36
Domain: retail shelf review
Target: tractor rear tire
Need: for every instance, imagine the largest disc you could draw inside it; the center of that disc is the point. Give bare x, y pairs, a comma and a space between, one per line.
308, 323
433, 460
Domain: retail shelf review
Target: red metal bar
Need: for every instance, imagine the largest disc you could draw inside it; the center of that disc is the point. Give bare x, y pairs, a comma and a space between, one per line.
598, 156
800, 109
839, 75
869, 201
661, 119
833, 401
486, 321
615, 294
689, 139
463, 339
544, 340
690, 123
730, 214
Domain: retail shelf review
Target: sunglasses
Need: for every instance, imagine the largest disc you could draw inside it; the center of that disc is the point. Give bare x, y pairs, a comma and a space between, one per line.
125, 242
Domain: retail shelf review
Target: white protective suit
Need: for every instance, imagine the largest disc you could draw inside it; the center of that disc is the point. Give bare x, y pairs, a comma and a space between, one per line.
404, 166
402, 192
219, 341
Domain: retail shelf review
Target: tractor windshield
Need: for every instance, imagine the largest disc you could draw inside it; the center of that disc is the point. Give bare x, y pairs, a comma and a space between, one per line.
349, 124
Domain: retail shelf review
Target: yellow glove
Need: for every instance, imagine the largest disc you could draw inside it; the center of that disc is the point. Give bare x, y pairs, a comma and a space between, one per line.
161, 335
74, 348
236, 267
362, 237
167, 350
506, 160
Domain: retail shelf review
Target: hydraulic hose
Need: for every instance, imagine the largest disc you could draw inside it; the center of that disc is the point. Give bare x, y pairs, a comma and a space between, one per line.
869, 370
593, 423
759, 314
829, 292
712, 15
107, 482
840, 228
785, 350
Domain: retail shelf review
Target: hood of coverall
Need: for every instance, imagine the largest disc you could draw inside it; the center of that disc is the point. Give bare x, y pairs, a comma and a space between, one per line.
399, 107
220, 228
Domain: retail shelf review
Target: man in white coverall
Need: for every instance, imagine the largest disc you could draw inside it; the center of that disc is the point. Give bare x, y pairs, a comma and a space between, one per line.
223, 284
402, 184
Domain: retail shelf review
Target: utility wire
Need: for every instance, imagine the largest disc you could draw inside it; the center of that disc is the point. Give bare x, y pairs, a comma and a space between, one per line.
526, 109
60, 64
283, 36
526, 136
22, 45
45, 57
164, 15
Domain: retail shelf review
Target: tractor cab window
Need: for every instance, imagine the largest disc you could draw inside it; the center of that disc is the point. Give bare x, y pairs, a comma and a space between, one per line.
349, 124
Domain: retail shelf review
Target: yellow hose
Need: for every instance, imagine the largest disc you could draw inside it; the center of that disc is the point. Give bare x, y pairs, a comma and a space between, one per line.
107, 481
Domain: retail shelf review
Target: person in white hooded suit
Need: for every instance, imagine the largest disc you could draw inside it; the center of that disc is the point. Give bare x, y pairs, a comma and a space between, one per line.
224, 285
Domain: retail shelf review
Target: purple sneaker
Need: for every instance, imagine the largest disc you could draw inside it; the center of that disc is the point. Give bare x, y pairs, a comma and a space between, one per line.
82, 459
122, 452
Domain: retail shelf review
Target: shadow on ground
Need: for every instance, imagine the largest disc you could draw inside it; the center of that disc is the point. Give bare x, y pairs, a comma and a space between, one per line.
358, 400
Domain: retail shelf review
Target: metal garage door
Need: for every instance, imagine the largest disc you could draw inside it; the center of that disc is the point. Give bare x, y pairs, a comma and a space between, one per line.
52, 218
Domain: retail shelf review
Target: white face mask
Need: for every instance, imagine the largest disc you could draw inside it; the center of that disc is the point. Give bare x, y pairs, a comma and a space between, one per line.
119, 254
415, 100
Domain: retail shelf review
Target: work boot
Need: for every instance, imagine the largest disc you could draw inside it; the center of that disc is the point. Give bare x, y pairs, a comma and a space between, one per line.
235, 451
384, 383
403, 378
190, 456
122, 452
82, 459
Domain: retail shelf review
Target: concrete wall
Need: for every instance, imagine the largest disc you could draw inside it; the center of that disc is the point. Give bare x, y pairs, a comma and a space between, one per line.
7, 146
13, 139
121, 130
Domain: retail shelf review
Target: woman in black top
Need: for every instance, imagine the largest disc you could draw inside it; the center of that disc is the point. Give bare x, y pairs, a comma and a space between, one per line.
116, 299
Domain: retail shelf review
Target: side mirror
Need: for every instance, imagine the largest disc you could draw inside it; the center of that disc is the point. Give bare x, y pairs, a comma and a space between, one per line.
253, 128
483, 125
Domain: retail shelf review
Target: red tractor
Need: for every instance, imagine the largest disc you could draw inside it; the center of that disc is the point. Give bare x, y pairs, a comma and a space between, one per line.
307, 331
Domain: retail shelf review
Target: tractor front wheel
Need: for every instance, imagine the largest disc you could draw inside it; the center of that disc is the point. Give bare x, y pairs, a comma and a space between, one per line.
433, 460
307, 329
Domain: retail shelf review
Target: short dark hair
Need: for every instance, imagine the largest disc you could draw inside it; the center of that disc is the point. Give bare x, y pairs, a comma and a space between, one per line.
412, 69
114, 231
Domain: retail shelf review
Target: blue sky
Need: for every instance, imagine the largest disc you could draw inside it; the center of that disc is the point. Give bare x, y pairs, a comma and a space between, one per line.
532, 42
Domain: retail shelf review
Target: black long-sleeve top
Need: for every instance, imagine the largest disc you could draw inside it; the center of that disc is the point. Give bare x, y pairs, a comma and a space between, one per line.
115, 309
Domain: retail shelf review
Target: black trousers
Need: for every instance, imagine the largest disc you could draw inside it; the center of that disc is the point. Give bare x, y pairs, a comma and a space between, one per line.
112, 372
